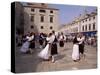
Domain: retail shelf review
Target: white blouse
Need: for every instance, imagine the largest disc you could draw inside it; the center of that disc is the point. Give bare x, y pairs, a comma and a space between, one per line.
30, 38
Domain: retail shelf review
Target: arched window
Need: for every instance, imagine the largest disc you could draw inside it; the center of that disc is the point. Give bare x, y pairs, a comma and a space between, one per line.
86, 27
89, 26
83, 28
93, 26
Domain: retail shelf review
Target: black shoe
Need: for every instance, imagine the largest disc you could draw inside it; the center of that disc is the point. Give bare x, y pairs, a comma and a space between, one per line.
74, 60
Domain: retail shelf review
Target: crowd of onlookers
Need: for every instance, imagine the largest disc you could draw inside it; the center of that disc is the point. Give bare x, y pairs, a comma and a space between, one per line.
89, 40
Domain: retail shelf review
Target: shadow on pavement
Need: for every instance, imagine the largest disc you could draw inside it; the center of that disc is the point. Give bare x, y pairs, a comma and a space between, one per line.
59, 57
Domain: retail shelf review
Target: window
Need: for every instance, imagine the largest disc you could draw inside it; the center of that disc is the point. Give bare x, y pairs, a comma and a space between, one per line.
32, 18
89, 26
86, 27
41, 27
83, 28
32, 10
89, 19
31, 26
94, 17
51, 27
93, 26
42, 11
86, 20
42, 3
42, 18
51, 11
51, 19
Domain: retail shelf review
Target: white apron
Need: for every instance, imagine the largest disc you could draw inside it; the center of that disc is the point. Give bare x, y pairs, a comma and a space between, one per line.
75, 53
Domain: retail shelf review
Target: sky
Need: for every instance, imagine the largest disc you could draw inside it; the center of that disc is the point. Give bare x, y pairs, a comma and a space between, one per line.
68, 12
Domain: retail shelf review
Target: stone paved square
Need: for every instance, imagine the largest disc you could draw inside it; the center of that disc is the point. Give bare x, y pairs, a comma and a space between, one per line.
32, 63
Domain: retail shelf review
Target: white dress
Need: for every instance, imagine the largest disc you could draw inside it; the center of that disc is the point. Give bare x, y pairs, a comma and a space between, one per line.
75, 53
25, 47
44, 54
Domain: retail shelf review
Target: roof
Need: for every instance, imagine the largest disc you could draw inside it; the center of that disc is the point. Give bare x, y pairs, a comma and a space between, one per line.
42, 7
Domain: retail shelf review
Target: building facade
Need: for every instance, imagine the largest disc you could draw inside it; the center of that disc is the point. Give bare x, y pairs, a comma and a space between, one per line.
39, 18
85, 23
89, 24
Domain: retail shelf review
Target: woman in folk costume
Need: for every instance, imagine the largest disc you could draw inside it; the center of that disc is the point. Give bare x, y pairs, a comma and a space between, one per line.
75, 53
25, 46
44, 54
32, 41
61, 40
54, 51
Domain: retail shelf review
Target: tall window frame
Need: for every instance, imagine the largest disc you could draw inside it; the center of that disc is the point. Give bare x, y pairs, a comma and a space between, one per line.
42, 18
94, 26
32, 18
51, 19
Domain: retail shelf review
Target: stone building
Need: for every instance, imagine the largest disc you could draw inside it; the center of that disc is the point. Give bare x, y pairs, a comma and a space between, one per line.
89, 24
86, 23
40, 18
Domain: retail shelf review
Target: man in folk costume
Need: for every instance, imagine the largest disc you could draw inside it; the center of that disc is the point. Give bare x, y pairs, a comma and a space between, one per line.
54, 51
32, 42
41, 40
81, 39
62, 38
